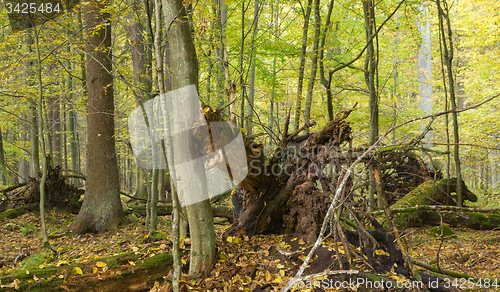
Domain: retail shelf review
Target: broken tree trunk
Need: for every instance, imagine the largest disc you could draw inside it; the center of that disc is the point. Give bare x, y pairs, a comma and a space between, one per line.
429, 193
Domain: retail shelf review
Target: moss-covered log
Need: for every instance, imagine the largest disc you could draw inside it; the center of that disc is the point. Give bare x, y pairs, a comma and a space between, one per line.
473, 220
117, 275
429, 193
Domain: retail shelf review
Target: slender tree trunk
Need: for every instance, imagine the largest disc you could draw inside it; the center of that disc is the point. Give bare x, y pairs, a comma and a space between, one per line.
251, 87
222, 52
34, 164
56, 132
326, 83
424, 63
314, 62
302, 64
34, 161
101, 209
371, 67
73, 145
395, 88
23, 163
42, 143
161, 88
185, 72
4, 173
271, 103
371, 64
83, 66
242, 77
447, 40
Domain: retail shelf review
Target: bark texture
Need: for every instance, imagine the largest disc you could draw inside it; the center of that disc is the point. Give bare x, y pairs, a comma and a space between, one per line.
101, 209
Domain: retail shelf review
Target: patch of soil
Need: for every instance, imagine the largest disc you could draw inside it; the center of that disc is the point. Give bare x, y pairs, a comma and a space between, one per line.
307, 207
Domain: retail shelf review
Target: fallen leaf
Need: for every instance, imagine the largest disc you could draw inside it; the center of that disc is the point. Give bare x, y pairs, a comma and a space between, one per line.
77, 270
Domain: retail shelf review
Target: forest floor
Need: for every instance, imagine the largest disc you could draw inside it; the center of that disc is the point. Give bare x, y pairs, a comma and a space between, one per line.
127, 260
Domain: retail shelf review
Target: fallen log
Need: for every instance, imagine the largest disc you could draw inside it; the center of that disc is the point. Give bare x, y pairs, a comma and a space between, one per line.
119, 275
217, 211
432, 192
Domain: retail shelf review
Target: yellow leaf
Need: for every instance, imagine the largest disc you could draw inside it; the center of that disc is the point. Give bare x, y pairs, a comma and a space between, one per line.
104, 269
268, 276
282, 273
100, 264
27, 272
131, 263
59, 263
280, 266
61, 276
94, 270
229, 239
77, 270
277, 280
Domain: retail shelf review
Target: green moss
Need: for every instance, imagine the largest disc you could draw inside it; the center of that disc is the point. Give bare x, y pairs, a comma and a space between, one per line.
162, 260
120, 259
44, 285
480, 219
494, 217
12, 213
436, 231
156, 277
159, 236
35, 260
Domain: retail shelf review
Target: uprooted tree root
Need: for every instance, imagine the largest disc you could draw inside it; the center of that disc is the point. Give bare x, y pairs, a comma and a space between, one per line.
290, 193
58, 193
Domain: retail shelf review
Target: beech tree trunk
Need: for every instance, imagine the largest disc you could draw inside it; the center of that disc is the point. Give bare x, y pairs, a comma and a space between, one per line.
302, 63
101, 209
447, 41
314, 62
184, 68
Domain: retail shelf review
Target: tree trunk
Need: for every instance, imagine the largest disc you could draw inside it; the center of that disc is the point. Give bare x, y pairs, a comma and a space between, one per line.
185, 72
23, 163
42, 142
326, 83
429, 193
371, 67
4, 173
371, 64
314, 63
101, 209
447, 40
242, 76
302, 63
251, 85
34, 164
424, 61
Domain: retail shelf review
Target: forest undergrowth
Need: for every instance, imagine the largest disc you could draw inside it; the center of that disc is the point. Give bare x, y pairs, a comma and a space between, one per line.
124, 259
